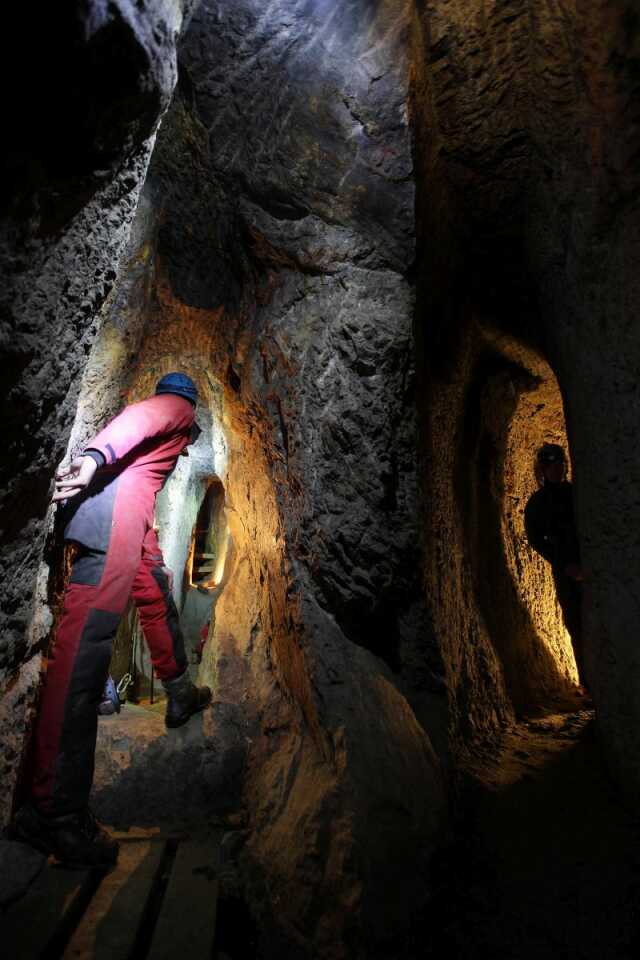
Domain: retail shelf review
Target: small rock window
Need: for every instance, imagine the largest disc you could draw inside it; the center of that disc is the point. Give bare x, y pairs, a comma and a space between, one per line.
206, 560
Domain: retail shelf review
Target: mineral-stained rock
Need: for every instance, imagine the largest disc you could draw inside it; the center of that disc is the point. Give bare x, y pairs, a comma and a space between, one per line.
280, 274
527, 131
376, 603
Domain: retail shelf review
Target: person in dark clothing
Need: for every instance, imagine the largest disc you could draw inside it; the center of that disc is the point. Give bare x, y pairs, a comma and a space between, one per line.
551, 531
108, 497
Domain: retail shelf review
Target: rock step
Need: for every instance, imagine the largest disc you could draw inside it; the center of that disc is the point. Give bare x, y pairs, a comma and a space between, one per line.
158, 902
146, 774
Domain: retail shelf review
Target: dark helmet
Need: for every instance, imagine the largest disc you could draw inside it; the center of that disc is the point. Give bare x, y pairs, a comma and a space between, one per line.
180, 384
551, 453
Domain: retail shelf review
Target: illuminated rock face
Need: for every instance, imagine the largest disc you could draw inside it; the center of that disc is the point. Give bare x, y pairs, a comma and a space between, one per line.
525, 151
282, 285
317, 179
381, 615
323, 196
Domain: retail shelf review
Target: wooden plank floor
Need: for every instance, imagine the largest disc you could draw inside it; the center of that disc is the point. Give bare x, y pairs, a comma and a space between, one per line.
158, 902
109, 926
192, 892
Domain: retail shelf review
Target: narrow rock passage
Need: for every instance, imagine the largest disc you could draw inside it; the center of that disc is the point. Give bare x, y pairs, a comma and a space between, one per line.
546, 860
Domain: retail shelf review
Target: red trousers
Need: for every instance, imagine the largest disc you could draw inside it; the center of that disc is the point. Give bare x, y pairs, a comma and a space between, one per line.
101, 583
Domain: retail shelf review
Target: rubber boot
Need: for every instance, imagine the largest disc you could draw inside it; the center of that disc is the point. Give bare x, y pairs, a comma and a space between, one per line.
184, 699
75, 839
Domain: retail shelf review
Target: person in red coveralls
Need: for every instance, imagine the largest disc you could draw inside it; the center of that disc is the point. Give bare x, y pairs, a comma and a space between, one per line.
108, 496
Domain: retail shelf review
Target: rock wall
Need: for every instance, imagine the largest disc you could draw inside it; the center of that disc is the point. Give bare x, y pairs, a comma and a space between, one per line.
274, 264
80, 137
526, 133
376, 604
585, 243
305, 112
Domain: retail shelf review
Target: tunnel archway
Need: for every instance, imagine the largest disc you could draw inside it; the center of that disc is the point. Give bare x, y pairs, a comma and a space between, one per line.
196, 588
205, 566
513, 404
493, 399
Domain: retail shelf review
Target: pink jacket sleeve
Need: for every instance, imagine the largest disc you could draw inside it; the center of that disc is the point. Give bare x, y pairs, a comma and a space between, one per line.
159, 416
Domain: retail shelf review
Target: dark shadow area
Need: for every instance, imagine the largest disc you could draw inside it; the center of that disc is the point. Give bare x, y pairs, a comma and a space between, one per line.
81, 113
546, 861
236, 933
154, 902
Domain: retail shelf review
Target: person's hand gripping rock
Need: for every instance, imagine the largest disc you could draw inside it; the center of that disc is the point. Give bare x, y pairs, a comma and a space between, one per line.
73, 477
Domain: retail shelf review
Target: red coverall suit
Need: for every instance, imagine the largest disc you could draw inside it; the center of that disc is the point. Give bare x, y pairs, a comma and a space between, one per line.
120, 556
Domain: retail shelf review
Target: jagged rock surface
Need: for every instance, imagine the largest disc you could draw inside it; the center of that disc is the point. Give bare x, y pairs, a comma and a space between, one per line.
280, 278
527, 139
72, 173
273, 257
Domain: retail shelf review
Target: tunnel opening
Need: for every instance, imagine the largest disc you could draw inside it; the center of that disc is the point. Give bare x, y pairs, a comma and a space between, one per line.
493, 400
205, 570
512, 406
202, 581
207, 553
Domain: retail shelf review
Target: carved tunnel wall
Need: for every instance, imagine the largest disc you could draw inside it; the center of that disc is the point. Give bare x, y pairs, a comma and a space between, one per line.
363, 228
278, 280
512, 405
525, 133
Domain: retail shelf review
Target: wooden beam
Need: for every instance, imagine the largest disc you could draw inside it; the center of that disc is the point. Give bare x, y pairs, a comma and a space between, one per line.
109, 928
187, 921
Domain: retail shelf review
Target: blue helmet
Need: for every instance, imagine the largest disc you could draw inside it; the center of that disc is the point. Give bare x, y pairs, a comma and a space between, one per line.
180, 384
